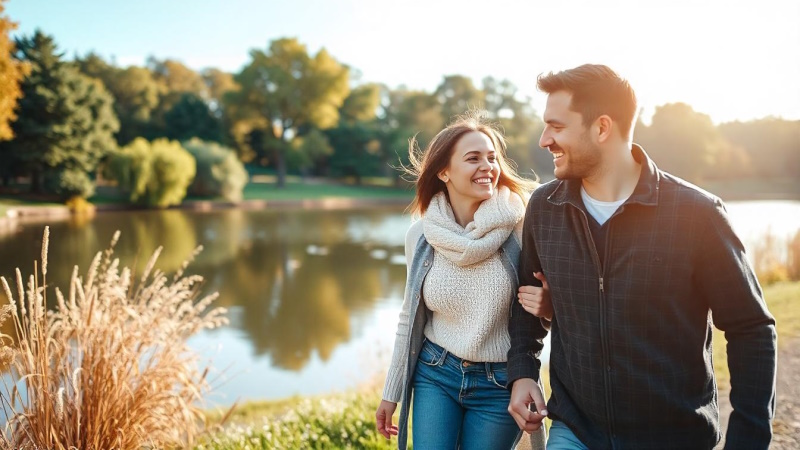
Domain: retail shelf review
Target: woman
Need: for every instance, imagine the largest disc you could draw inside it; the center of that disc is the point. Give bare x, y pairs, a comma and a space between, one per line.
462, 257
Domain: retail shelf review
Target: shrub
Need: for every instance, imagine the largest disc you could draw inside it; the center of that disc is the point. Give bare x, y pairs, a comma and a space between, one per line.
219, 171
109, 367
69, 183
153, 173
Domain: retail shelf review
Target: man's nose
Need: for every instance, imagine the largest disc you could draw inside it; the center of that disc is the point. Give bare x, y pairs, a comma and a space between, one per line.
545, 141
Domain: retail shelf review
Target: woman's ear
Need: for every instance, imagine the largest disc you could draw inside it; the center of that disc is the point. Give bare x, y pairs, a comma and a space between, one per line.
443, 176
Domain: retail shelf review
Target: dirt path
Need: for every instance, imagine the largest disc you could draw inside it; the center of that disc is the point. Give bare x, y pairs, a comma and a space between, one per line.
787, 416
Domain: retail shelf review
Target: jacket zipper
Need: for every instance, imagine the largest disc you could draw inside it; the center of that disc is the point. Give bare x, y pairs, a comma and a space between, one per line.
603, 320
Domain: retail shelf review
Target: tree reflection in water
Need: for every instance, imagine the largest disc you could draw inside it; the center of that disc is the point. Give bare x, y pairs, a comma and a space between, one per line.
297, 278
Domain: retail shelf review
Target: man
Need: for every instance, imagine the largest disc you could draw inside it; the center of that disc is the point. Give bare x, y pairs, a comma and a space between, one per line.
638, 262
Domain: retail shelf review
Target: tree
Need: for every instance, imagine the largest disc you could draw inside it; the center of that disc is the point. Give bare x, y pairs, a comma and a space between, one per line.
11, 74
218, 83
191, 117
66, 120
136, 95
771, 146
458, 95
285, 91
362, 104
682, 141
153, 174
308, 149
219, 171
521, 126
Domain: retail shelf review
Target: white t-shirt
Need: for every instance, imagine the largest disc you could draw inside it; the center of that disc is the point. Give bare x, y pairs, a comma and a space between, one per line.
601, 211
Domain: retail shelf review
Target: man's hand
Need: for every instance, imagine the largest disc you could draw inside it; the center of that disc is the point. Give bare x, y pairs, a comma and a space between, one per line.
524, 393
536, 300
383, 419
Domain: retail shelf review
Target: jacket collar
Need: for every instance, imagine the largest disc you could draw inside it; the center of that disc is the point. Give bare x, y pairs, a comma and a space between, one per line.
645, 192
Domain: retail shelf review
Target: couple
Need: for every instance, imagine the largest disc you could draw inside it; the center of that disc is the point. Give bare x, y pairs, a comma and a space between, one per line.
625, 264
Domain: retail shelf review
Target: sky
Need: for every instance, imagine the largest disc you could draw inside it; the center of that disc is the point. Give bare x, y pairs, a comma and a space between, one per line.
732, 60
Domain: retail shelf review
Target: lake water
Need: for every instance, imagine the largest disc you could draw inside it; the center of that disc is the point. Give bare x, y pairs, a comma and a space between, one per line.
313, 295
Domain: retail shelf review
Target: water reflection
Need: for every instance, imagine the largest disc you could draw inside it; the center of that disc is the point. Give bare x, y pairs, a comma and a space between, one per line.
295, 279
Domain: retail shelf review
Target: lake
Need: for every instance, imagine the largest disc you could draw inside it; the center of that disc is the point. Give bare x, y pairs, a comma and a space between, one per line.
313, 296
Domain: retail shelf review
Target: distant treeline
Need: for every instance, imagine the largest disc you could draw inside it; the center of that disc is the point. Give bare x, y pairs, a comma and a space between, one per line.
296, 112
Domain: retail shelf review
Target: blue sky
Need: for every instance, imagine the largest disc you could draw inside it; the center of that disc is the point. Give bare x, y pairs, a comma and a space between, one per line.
735, 59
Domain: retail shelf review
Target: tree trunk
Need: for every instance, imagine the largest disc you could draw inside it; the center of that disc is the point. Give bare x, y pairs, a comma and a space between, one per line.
280, 165
36, 182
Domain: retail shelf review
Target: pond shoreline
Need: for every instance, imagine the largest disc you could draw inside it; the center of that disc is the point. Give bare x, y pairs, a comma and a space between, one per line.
35, 214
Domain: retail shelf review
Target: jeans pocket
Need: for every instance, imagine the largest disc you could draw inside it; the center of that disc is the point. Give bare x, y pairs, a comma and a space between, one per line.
430, 356
499, 377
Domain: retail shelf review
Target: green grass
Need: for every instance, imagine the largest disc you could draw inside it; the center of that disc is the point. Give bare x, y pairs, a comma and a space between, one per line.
301, 191
339, 421
781, 301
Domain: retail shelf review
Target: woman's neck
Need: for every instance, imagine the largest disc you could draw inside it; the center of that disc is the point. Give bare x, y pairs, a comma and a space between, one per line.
464, 210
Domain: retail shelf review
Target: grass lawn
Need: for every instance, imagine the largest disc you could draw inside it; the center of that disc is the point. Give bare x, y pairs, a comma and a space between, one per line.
302, 191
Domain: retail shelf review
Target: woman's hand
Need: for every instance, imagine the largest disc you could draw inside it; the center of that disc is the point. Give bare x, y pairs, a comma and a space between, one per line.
536, 300
383, 419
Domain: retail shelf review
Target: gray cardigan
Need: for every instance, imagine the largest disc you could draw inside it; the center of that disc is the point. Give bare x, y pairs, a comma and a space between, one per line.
418, 317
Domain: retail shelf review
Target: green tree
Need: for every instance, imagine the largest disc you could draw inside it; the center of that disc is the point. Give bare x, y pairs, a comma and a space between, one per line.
66, 120
457, 95
136, 95
219, 171
285, 91
521, 125
191, 117
11, 73
154, 173
307, 150
362, 104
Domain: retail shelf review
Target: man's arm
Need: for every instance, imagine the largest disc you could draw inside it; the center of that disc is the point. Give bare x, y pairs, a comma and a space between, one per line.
727, 280
525, 329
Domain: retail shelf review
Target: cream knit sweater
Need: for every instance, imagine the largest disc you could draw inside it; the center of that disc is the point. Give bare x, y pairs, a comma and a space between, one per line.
467, 288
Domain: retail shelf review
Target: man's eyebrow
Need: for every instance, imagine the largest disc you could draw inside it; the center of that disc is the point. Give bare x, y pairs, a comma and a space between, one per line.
553, 122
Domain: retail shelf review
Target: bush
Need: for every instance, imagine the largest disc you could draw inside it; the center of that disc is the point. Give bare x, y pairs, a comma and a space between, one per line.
154, 174
219, 171
110, 366
69, 183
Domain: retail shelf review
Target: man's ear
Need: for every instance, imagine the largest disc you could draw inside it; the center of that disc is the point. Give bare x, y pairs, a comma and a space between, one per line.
603, 128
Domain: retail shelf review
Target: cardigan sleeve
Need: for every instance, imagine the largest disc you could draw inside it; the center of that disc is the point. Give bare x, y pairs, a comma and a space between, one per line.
395, 377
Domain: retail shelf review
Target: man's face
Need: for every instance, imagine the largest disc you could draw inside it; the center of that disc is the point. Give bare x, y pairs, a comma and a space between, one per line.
568, 140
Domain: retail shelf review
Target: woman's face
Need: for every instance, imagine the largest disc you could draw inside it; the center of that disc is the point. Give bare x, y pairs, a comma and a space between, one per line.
473, 171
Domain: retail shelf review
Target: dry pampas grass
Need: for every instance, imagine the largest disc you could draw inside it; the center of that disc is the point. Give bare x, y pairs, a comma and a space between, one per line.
109, 367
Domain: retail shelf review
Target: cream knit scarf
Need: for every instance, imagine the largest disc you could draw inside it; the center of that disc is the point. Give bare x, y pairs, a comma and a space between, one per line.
493, 223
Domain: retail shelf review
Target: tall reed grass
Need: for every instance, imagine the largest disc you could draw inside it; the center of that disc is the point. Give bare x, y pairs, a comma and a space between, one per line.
777, 259
109, 367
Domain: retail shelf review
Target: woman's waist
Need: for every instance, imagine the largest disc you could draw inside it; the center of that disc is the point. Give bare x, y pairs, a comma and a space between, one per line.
467, 360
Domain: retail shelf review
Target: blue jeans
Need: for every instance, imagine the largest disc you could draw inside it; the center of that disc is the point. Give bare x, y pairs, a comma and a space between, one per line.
460, 404
562, 438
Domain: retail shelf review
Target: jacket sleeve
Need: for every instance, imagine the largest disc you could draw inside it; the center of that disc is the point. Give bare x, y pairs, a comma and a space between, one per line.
395, 377
526, 330
729, 284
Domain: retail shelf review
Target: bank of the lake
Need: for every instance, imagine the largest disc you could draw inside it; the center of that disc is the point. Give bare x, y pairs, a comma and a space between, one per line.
345, 420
